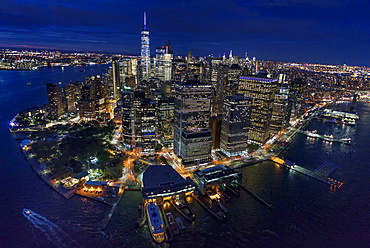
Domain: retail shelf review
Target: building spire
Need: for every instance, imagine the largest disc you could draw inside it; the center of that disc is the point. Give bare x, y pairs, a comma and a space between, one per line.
144, 20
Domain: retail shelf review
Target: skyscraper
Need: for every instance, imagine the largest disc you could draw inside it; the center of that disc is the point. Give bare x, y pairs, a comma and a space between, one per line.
145, 51
192, 137
261, 89
148, 126
235, 125
55, 100
116, 79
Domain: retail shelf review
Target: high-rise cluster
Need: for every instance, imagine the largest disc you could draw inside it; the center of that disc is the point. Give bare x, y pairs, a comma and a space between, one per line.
193, 105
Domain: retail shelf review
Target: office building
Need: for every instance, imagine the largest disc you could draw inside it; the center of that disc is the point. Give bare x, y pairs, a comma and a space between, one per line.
55, 100
192, 137
261, 88
148, 139
145, 52
165, 117
235, 125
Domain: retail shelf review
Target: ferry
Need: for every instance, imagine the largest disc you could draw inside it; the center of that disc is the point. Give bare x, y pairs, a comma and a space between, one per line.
155, 222
328, 137
312, 133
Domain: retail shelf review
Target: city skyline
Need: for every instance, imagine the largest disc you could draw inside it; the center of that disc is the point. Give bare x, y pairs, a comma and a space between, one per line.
294, 31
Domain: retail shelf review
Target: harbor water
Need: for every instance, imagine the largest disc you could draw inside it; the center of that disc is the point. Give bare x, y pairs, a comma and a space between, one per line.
306, 212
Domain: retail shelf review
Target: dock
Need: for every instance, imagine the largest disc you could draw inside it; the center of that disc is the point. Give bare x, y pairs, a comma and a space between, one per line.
109, 216
321, 174
208, 209
254, 195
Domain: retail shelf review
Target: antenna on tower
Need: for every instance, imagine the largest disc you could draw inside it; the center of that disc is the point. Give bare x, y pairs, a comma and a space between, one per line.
144, 20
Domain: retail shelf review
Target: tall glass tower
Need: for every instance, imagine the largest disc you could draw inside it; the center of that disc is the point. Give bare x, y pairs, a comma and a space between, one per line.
145, 51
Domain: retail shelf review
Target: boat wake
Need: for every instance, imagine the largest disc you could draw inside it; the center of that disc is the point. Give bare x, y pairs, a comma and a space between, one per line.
53, 232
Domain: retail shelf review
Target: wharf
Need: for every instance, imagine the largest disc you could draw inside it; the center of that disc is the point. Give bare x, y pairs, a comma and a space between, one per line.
254, 195
109, 216
317, 174
208, 209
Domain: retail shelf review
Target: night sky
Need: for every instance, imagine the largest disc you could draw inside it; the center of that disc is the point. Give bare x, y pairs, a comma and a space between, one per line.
323, 31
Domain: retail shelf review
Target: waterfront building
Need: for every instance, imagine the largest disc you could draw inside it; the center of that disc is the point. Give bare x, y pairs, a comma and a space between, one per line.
192, 137
235, 125
145, 51
162, 182
213, 176
55, 100
260, 88
280, 114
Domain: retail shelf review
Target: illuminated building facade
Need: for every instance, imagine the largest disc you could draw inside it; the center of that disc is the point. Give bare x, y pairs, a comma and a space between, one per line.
280, 114
55, 100
148, 139
145, 51
235, 125
127, 116
70, 97
165, 118
116, 79
261, 89
192, 137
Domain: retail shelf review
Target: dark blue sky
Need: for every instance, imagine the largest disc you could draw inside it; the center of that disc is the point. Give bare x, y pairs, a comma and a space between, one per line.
323, 31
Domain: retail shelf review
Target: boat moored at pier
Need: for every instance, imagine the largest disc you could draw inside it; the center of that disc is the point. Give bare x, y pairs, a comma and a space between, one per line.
155, 222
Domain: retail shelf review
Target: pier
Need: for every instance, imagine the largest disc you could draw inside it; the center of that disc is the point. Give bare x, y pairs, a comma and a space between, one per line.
217, 216
254, 195
109, 216
319, 174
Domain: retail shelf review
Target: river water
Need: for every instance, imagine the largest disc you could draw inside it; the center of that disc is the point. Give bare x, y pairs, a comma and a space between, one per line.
306, 212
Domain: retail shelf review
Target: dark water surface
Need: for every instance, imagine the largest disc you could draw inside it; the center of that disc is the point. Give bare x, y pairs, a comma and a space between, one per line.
307, 213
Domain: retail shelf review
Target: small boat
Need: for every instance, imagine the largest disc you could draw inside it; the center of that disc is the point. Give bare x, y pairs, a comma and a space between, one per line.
83, 70
28, 84
172, 222
26, 212
179, 223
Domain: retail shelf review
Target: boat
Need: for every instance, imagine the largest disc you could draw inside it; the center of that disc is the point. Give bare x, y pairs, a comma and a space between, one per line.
312, 134
83, 70
179, 223
28, 84
172, 222
26, 212
155, 222
328, 137
183, 208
